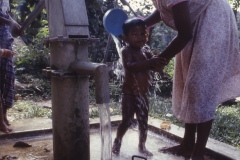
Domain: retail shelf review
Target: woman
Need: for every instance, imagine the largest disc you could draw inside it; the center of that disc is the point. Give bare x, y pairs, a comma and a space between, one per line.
6, 64
207, 65
4, 53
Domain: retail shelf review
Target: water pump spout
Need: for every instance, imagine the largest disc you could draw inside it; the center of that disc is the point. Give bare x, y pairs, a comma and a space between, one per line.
100, 73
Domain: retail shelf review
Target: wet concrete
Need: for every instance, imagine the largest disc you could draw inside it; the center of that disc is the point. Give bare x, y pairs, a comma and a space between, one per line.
130, 146
37, 132
42, 147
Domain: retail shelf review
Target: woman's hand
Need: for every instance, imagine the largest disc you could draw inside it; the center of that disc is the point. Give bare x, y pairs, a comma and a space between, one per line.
6, 53
158, 63
15, 27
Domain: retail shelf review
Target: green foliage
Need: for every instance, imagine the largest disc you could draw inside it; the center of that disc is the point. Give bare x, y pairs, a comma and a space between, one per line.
94, 112
235, 4
161, 36
20, 10
22, 110
142, 8
116, 108
36, 88
161, 108
169, 69
32, 58
226, 125
115, 91
95, 11
28, 67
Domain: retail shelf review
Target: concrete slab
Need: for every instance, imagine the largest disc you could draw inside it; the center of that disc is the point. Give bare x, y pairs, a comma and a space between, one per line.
28, 127
25, 125
38, 126
42, 147
213, 146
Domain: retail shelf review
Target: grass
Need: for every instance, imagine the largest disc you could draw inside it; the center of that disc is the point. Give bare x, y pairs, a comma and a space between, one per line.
161, 108
226, 126
28, 109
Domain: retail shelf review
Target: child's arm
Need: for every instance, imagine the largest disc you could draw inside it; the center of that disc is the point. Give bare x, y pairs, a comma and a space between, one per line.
147, 64
6, 53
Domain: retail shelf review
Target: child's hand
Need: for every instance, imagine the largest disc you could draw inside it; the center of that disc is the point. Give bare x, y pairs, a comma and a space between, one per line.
6, 53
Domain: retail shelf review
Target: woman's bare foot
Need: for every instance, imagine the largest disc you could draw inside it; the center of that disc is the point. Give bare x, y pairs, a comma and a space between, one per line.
177, 150
5, 116
145, 152
6, 120
4, 128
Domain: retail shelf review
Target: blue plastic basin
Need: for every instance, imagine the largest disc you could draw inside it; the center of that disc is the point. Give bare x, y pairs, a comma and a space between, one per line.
113, 20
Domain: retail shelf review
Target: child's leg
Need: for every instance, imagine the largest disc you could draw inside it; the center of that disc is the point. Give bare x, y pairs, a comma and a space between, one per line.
142, 116
186, 146
203, 130
127, 117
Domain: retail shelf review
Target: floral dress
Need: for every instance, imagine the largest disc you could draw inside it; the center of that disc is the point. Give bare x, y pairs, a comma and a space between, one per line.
207, 70
6, 64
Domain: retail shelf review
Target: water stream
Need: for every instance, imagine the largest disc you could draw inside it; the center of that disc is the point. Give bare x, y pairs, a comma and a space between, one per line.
105, 131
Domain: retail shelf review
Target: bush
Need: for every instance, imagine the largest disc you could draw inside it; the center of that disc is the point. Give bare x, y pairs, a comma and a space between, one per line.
226, 126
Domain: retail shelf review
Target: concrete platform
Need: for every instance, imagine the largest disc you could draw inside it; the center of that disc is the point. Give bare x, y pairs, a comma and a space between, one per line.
43, 126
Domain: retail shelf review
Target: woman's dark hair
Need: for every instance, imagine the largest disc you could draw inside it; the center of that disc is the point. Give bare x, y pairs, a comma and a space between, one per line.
129, 23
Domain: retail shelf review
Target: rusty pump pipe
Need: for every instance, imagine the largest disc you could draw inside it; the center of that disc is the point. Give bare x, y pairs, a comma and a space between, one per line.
100, 73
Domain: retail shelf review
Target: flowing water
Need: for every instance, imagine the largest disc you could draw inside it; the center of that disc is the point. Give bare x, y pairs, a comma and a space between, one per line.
105, 131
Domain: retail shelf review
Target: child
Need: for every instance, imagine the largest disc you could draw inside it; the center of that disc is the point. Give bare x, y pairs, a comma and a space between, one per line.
3, 126
137, 63
6, 64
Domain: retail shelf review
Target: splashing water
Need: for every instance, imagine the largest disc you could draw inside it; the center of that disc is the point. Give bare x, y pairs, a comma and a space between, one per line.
105, 130
118, 46
118, 69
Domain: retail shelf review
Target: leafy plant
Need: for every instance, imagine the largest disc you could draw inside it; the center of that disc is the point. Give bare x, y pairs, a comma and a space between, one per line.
226, 125
20, 10
23, 109
32, 58
235, 4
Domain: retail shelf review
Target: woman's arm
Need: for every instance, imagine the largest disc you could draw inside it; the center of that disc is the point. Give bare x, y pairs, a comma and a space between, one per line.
182, 21
14, 26
153, 18
5, 21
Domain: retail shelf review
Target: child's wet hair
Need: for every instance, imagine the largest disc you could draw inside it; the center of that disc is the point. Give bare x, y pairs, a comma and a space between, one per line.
129, 23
